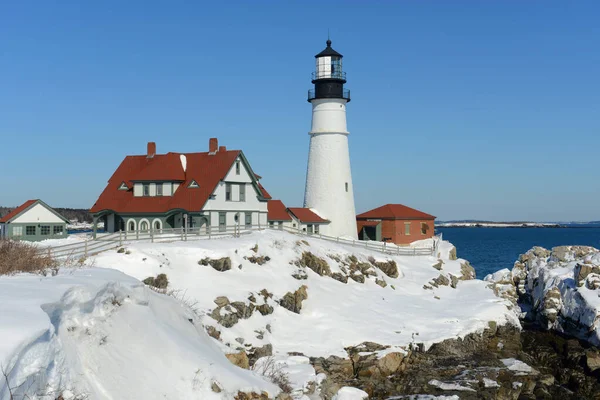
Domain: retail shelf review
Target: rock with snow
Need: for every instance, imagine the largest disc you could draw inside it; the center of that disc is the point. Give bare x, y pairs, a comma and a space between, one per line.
558, 288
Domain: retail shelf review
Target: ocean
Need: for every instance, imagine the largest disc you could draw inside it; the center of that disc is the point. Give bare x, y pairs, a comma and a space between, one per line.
491, 249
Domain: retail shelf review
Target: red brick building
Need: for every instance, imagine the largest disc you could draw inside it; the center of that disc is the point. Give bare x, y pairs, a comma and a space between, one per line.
395, 223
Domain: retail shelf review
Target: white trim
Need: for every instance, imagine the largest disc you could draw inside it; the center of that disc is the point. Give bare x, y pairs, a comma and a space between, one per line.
160, 224
147, 222
134, 225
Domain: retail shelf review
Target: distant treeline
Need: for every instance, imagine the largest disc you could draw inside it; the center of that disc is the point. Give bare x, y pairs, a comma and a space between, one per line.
72, 214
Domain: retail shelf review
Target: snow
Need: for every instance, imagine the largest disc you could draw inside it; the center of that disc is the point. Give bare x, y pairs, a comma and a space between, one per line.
100, 333
183, 160
490, 383
450, 386
424, 397
335, 315
350, 393
74, 330
517, 366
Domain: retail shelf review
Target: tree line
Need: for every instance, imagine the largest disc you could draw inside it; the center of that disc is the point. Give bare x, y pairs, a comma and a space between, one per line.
72, 214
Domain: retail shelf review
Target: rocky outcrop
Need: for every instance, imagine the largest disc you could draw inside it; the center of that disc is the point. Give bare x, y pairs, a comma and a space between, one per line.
390, 268
467, 271
293, 301
220, 264
317, 264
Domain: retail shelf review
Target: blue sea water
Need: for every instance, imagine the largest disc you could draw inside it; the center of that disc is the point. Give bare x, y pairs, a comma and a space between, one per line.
491, 249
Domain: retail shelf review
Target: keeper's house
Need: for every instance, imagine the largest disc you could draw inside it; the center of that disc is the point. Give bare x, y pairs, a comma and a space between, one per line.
33, 221
395, 223
159, 191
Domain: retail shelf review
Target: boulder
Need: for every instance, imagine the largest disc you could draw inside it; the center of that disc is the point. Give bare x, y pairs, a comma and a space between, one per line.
339, 277
293, 301
240, 359
441, 280
381, 282
467, 271
390, 268
265, 309
317, 264
582, 270
213, 332
592, 359
438, 265
221, 301
221, 264
356, 277
452, 254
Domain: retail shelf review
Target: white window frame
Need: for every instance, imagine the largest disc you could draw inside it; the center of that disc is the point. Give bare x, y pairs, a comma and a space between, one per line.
159, 189
407, 228
17, 231
228, 192
145, 189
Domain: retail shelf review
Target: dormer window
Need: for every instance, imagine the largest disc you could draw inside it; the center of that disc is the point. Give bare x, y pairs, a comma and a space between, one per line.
146, 189
193, 185
159, 189
237, 167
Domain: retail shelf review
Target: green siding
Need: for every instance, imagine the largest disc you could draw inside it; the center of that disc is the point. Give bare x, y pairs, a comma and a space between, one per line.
38, 231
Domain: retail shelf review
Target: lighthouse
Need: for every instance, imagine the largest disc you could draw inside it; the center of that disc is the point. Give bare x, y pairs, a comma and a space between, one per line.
329, 190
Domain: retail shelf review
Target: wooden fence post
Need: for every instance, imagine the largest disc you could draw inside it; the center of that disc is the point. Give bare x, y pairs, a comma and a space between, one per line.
120, 238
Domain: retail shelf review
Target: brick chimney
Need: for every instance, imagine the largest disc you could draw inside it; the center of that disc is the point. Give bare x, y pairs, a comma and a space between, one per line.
222, 148
151, 150
213, 145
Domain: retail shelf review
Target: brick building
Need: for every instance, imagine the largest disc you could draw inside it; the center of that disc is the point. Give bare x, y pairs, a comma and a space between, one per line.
395, 223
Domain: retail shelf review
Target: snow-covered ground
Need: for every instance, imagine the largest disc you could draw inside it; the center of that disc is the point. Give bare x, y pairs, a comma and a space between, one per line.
562, 287
76, 225
100, 332
335, 314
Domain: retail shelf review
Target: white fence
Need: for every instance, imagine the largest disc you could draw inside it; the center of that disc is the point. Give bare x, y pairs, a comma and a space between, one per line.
90, 247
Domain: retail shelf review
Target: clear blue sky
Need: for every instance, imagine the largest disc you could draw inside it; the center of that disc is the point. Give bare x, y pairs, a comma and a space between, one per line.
463, 109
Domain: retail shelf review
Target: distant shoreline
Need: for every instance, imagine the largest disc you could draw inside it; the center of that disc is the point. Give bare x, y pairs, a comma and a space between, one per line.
515, 226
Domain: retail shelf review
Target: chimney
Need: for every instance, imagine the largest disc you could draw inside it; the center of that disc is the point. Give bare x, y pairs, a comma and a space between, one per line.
213, 145
222, 148
151, 150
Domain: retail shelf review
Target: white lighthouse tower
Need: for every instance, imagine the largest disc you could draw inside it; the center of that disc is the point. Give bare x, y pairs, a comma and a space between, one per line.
329, 188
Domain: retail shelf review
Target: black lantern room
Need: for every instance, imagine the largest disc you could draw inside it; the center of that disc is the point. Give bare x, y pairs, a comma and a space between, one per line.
329, 78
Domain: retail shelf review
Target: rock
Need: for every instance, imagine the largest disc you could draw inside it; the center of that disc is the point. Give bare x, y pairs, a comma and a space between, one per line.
213, 332
260, 260
300, 275
582, 270
221, 264
265, 309
452, 254
265, 294
467, 271
230, 314
258, 352
438, 265
358, 278
453, 281
592, 359
240, 340
240, 359
381, 282
339, 277
390, 363
284, 396
441, 280
547, 380
215, 387
592, 281
221, 301
390, 268
317, 264
293, 301
251, 396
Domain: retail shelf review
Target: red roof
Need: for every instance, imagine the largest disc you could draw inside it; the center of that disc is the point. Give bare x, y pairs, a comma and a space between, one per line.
395, 211
207, 170
369, 223
306, 215
264, 192
17, 211
277, 211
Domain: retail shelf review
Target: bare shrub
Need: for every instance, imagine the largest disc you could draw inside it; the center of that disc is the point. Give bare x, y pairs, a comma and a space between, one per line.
16, 256
273, 372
